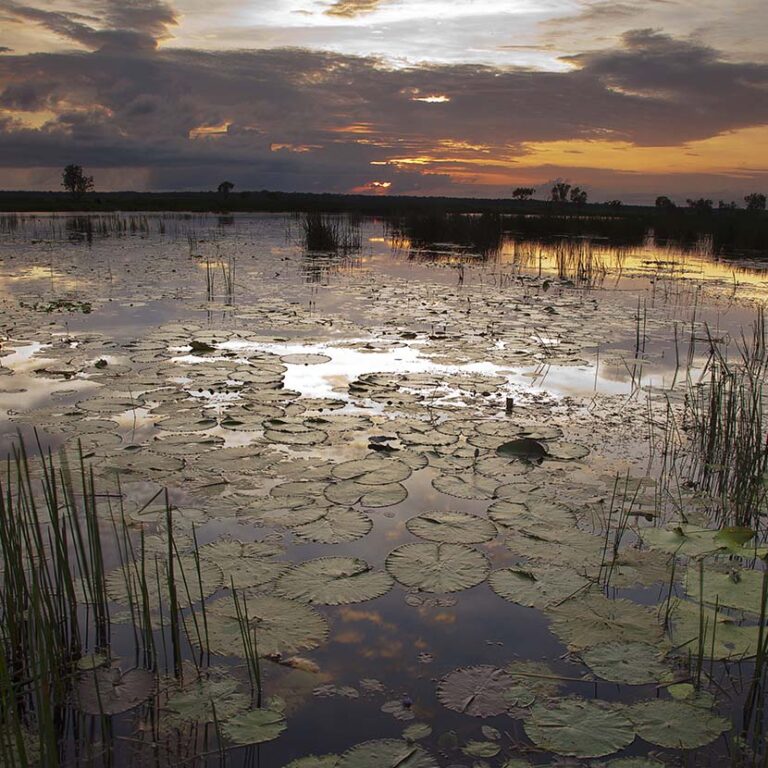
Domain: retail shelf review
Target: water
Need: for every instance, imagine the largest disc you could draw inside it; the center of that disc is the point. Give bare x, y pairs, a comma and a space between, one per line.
412, 338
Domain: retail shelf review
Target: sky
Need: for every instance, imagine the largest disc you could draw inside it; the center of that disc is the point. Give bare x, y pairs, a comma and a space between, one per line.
626, 99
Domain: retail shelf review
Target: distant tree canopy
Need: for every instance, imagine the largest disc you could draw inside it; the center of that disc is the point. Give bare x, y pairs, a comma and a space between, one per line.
702, 204
523, 193
75, 181
560, 192
665, 203
755, 201
578, 196
225, 188
614, 203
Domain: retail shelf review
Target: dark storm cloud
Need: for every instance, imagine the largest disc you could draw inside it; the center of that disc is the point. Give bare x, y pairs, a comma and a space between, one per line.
111, 23
323, 118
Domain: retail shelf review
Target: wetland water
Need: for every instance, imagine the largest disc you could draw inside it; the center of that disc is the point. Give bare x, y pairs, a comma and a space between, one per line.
398, 506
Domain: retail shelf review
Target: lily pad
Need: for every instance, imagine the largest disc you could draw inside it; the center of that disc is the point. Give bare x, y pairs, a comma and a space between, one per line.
386, 753
333, 581
349, 492
579, 728
255, 726
467, 485
536, 587
737, 588
335, 525
281, 626
438, 567
372, 471
453, 527
478, 691
106, 690
630, 663
676, 725
524, 448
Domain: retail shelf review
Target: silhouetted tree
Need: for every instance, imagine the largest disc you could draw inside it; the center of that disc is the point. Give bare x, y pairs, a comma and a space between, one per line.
665, 203
560, 192
225, 188
755, 201
702, 204
614, 203
578, 196
75, 181
523, 193
723, 206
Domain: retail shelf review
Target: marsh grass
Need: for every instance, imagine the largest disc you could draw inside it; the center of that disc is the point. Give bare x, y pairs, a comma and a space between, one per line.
327, 233
55, 617
729, 432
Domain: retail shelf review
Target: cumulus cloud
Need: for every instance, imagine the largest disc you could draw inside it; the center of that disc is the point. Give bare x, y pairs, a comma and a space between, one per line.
295, 118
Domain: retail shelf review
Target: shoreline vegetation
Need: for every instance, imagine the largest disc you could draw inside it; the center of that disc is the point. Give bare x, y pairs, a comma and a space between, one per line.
720, 229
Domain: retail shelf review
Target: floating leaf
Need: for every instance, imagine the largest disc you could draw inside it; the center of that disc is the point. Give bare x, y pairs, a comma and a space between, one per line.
281, 626
106, 690
481, 749
305, 359
255, 726
417, 731
453, 527
333, 581
477, 691
630, 663
737, 588
373, 471
536, 587
524, 448
334, 526
386, 753
676, 725
349, 492
579, 728
196, 701
593, 620
438, 567
467, 485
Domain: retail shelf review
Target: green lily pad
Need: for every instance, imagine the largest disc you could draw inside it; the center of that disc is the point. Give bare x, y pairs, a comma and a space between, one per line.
281, 626
372, 471
438, 567
453, 527
536, 587
386, 753
106, 690
594, 620
416, 731
255, 726
481, 749
348, 492
333, 581
335, 525
195, 702
478, 691
524, 448
466, 485
630, 663
737, 588
676, 725
579, 728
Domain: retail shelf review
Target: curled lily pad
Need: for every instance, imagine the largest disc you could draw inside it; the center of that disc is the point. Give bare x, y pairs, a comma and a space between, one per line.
451, 526
524, 448
386, 753
372, 471
676, 725
478, 691
333, 581
438, 567
579, 728
255, 726
630, 663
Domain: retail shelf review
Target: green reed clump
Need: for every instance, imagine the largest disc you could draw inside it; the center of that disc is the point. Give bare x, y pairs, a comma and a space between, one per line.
322, 232
729, 430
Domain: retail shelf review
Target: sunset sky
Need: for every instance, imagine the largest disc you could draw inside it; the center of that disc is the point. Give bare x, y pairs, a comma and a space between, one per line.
457, 97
